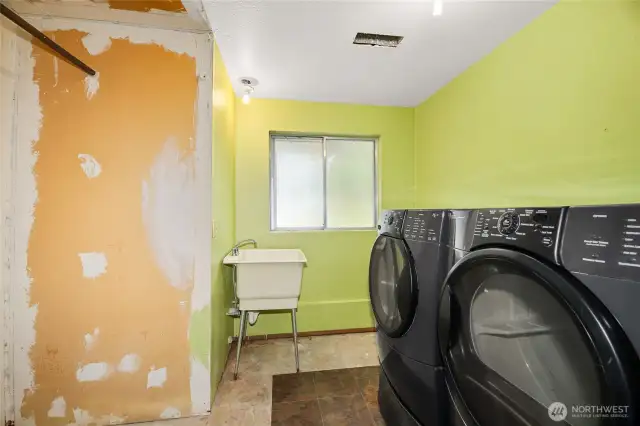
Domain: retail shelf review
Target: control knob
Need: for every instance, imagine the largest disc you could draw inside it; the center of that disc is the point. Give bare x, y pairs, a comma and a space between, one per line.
508, 223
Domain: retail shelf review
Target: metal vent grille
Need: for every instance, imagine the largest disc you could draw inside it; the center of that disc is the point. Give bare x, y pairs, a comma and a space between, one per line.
382, 40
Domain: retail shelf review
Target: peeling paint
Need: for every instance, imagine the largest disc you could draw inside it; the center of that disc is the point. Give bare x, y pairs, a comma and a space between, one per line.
129, 363
96, 42
93, 264
90, 165
170, 413
156, 378
91, 85
58, 408
93, 372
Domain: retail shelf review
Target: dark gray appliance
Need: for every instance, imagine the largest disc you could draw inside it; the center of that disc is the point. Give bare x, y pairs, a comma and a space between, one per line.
539, 320
407, 268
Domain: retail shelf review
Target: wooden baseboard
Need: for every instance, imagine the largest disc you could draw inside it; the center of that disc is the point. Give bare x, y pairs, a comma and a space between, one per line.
308, 333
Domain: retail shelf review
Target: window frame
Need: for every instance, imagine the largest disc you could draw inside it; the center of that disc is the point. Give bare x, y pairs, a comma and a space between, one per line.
273, 179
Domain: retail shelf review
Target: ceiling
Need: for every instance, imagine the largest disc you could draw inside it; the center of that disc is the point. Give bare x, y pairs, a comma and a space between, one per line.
302, 49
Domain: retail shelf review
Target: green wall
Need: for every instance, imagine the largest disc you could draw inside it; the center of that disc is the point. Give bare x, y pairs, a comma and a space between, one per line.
551, 117
334, 288
223, 214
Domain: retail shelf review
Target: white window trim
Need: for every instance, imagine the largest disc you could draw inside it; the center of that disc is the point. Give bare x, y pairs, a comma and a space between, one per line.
272, 179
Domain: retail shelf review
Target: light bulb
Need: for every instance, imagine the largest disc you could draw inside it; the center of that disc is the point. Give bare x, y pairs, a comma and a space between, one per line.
437, 7
246, 99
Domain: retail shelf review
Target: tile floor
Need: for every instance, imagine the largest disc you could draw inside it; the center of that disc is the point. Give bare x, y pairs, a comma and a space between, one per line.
248, 400
327, 398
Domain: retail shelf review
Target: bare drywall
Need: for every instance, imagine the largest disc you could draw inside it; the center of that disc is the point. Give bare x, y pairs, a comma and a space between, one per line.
111, 259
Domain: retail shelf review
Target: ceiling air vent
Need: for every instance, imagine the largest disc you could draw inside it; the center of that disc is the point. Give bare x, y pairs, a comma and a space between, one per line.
382, 40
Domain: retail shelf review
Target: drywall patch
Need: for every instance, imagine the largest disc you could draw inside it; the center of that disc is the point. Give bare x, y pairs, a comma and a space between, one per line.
96, 42
58, 408
91, 338
168, 209
91, 85
200, 387
93, 372
93, 264
130, 363
170, 413
90, 165
156, 378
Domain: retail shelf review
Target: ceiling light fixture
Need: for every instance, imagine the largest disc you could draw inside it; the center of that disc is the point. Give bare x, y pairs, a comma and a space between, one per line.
437, 7
249, 84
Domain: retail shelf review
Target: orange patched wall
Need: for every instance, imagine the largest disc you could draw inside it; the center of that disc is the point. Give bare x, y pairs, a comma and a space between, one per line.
111, 253
148, 5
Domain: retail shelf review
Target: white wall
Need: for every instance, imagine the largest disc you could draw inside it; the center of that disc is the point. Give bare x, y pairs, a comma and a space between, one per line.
8, 74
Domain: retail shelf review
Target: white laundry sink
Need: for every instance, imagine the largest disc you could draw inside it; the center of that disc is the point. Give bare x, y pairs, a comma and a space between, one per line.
267, 279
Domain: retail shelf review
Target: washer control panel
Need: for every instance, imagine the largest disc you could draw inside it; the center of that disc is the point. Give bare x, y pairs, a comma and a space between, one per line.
424, 225
603, 240
391, 222
531, 229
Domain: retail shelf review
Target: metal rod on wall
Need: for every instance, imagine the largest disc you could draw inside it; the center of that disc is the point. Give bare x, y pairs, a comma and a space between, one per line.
13, 16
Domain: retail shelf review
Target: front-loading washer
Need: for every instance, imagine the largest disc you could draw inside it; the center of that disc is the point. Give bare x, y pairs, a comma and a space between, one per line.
409, 262
538, 320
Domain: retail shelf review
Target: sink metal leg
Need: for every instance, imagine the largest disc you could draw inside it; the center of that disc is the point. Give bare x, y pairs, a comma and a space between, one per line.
295, 337
243, 331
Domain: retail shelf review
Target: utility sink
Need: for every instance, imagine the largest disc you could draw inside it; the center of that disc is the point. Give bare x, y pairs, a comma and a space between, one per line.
267, 279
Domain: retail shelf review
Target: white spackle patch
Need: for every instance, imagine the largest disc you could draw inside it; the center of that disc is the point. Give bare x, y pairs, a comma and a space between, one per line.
90, 165
168, 213
82, 417
156, 378
93, 264
96, 42
130, 363
58, 408
91, 85
93, 372
111, 420
170, 413
200, 386
91, 338
55, 71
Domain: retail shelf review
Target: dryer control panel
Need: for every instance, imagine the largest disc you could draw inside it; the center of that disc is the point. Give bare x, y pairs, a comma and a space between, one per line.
603, 240
391, 223
531, 229
424, 225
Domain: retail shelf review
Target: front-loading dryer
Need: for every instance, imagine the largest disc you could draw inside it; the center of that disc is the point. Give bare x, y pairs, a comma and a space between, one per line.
409, 262
538, 319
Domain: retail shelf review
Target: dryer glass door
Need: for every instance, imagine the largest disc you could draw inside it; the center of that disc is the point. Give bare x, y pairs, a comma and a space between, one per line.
392, 285
518, 353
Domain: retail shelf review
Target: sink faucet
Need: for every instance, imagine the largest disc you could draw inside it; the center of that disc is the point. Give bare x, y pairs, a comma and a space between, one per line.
235, 250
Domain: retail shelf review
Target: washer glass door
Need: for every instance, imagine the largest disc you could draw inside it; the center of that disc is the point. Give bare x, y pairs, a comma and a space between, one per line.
518, 354
392, 285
